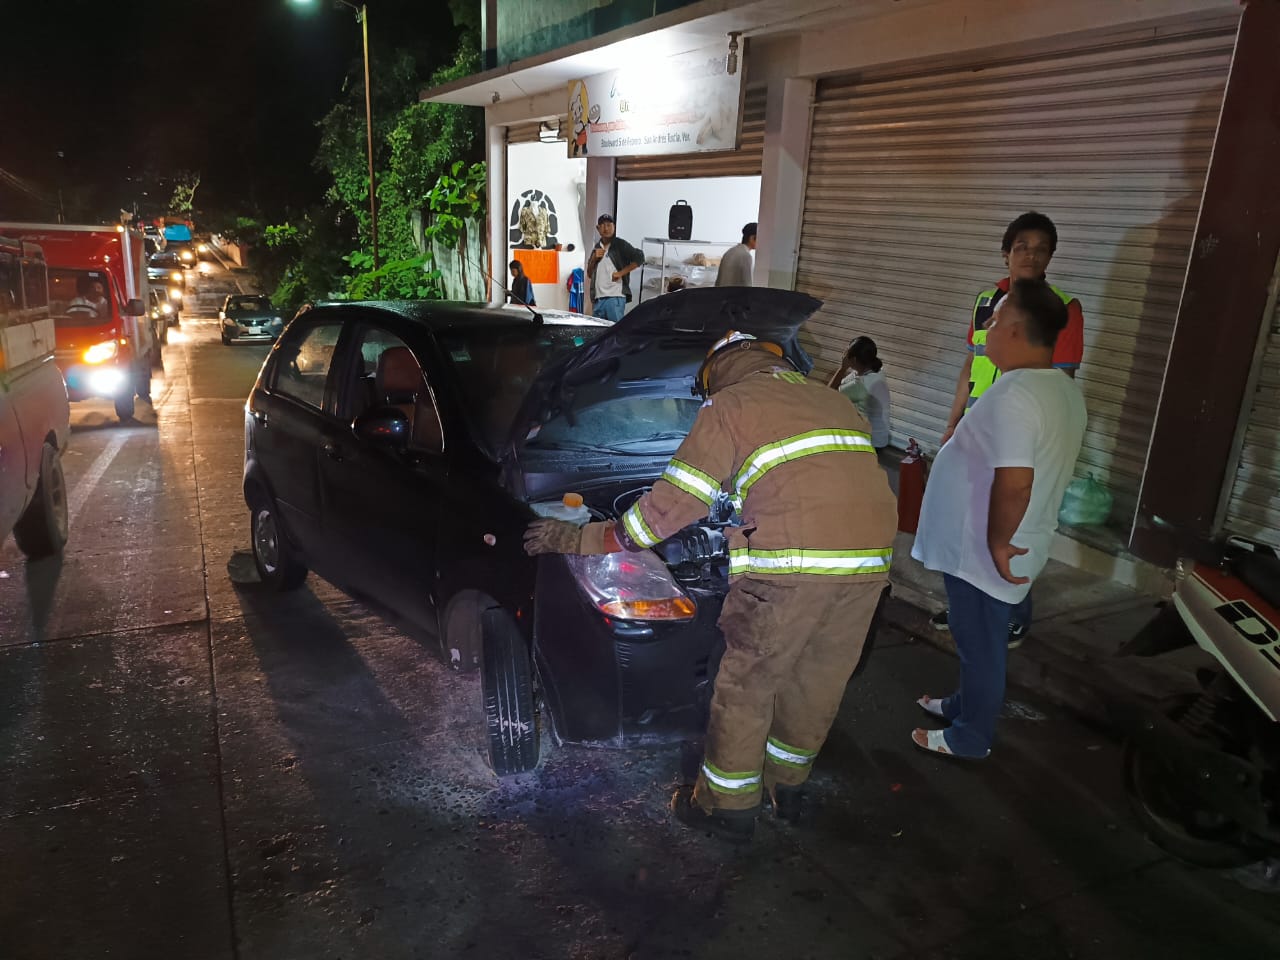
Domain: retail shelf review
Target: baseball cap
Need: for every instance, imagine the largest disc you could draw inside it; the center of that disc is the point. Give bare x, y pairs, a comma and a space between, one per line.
604, 218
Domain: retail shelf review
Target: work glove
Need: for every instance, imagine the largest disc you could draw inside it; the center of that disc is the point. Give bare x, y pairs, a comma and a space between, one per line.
561, 536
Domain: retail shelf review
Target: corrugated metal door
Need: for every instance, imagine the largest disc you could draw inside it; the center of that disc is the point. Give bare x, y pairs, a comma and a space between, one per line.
534, 131
913, 178
743, 162
1253, 508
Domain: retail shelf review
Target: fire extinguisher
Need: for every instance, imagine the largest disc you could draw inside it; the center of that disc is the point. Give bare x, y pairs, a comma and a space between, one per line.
910, 487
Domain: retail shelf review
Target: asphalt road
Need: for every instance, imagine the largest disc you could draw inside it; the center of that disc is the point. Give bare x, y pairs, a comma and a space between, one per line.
191, 769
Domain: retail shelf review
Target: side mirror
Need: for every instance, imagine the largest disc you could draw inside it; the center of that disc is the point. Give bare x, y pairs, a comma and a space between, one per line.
135, 308
386, 426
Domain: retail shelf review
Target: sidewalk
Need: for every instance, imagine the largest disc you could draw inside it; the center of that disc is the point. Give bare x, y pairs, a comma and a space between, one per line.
1069, 655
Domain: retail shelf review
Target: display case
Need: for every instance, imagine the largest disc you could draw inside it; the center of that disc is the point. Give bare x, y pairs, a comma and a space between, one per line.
695, 261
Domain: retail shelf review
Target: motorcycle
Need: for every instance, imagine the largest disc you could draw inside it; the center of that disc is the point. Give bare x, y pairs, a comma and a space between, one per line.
1203, 770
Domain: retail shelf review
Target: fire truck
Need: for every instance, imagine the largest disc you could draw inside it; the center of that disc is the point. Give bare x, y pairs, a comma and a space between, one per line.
98, 293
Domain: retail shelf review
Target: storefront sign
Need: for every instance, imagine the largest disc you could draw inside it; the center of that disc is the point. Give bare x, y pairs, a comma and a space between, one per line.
683, 104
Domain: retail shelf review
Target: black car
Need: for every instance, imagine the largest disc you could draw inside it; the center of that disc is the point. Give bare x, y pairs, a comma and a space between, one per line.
400, 450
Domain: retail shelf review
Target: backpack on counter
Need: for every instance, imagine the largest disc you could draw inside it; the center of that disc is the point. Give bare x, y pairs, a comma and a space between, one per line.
680, 221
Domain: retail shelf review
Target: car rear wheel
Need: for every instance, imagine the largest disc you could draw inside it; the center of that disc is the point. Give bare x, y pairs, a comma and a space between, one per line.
278, 564
507, 683
41, 531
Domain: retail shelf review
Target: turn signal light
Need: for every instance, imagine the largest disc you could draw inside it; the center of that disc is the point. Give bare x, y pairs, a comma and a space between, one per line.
101, 352
675, 608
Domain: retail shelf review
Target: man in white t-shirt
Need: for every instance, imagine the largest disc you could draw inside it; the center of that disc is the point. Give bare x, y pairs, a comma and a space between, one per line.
991, 507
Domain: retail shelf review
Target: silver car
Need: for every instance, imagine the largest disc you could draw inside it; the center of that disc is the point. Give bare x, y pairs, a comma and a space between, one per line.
249, 317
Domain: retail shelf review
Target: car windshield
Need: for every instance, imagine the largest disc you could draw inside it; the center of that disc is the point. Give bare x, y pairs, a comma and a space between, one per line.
495, 366
249, 305
79, 298
164, 261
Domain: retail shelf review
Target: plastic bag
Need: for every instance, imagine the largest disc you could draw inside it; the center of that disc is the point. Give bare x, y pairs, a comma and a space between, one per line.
1086, 503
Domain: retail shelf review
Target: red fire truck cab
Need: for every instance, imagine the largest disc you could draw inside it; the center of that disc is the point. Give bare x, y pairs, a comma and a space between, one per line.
97, 298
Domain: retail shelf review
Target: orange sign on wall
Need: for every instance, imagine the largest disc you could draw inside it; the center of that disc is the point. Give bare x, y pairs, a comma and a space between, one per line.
540, 266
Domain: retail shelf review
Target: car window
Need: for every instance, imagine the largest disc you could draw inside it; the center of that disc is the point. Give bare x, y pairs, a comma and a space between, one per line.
365, 392
302, 367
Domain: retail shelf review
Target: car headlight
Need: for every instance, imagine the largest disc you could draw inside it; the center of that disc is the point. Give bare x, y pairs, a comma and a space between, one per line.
203, 248
187, 255
176, 276
277, 320
166, 308
101, 352
631, 586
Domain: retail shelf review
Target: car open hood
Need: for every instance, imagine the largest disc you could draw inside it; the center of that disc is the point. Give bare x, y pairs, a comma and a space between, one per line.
697, 317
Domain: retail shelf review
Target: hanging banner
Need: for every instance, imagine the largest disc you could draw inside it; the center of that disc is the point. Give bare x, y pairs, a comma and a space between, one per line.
683, 104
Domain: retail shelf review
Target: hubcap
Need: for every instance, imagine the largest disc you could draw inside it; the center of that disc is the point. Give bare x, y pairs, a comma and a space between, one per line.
266, 542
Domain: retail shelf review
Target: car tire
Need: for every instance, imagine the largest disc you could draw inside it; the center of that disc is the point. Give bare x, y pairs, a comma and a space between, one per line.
226, 341
279, 566
42, 529
124, 406
507, 684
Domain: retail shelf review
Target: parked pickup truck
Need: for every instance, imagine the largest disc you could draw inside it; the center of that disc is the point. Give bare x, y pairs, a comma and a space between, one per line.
34, 410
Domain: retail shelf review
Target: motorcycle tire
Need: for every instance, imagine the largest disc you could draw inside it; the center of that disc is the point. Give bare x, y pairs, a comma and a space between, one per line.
1171, 821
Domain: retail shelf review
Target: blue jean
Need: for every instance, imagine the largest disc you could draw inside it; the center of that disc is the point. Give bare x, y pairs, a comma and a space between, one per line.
980, 625
609, 308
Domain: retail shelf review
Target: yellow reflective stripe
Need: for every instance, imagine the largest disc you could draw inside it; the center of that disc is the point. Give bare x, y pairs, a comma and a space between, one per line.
637, 529
791, 376
722, 782
691, 480
766, 457
782, 753
829, 562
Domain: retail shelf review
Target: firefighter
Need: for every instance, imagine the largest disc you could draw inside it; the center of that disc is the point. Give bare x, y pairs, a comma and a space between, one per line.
807, 567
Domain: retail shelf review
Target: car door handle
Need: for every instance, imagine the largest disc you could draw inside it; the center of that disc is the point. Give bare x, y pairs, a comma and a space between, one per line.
259, 416
332, 451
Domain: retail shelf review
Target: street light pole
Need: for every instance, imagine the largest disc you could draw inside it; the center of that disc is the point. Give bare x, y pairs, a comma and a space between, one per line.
362, 17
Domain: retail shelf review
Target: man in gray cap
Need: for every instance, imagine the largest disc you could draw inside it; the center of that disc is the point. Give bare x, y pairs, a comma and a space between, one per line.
736, 265
608, 270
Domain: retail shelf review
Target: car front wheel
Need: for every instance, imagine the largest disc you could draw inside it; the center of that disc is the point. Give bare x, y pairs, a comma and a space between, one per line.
507, 683
279, 566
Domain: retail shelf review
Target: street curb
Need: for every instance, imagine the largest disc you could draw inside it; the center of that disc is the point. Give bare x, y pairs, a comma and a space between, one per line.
1052, 666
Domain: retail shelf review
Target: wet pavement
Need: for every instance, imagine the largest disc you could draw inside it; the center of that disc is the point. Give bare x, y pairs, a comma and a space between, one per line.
191, 768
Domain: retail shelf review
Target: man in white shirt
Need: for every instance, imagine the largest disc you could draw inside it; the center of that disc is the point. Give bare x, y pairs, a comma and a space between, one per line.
609, 271
736, 265
991, 507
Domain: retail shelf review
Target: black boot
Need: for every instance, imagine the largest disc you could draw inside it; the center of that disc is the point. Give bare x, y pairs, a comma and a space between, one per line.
736, 826
789, 803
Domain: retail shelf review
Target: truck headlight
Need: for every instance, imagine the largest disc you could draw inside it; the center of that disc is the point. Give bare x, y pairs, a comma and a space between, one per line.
101, 352
631, 586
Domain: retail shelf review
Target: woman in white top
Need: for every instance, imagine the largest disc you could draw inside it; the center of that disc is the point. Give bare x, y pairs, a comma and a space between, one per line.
859, 378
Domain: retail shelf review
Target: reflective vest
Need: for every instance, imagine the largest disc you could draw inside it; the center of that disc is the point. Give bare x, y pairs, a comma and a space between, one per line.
983, 373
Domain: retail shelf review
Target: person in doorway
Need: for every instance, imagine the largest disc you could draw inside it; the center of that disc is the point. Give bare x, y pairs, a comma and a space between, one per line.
860, 379
736, 265
521, 290
609, 270
991, 507
807, 568
1028, 246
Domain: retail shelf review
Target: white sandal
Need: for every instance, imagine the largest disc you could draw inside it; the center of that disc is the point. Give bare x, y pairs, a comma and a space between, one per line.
936, 742
930, 706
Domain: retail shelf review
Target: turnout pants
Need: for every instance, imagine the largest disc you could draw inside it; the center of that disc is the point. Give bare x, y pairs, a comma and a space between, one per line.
790, 649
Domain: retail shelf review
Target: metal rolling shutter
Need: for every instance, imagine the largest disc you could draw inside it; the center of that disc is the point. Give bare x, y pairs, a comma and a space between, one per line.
913, 179
530, 131
1253, 508
743, 162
